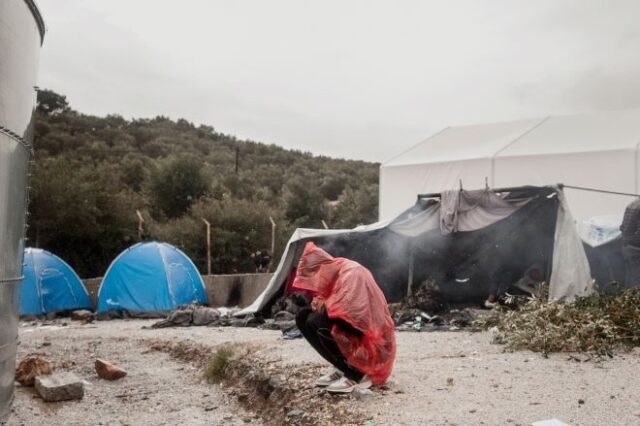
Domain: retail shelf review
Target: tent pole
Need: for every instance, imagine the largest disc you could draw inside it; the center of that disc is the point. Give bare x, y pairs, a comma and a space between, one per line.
208, 225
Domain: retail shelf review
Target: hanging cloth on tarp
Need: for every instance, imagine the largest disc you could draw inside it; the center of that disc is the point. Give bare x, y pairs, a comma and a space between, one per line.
473, 210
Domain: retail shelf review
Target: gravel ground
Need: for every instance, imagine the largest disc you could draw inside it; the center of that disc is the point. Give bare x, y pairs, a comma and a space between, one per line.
441, 378
156, 391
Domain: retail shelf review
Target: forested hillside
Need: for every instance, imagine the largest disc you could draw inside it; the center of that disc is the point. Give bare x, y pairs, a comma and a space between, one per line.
91, 174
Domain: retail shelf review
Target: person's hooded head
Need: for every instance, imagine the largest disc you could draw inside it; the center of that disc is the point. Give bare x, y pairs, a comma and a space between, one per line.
317, 271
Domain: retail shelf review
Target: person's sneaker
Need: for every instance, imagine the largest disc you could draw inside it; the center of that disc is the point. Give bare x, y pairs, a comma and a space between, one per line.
329, 378
346, 385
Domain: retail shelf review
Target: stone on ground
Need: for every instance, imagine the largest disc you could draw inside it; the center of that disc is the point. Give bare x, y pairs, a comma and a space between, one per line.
30, 367
59, 387
82, 315
109, 371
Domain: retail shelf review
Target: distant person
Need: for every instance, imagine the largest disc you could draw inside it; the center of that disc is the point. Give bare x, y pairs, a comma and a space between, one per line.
348, 322
261, 260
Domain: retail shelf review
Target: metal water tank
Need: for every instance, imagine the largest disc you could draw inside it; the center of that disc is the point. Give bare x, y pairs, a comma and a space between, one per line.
21, 35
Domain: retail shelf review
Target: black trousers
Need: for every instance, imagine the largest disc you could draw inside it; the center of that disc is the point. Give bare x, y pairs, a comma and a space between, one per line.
316, 328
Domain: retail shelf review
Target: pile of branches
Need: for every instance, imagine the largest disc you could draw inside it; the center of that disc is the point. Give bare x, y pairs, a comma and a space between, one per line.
597, 324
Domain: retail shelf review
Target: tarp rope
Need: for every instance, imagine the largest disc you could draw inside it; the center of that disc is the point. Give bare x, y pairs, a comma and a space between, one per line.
604, 191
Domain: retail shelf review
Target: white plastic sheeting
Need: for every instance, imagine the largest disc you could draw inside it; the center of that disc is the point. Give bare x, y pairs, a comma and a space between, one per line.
596, 151
571, 275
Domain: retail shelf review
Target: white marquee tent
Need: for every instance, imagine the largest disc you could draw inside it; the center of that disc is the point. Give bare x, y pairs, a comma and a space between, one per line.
595, 151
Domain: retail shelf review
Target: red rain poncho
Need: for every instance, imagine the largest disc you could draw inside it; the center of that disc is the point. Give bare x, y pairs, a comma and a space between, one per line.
351, 294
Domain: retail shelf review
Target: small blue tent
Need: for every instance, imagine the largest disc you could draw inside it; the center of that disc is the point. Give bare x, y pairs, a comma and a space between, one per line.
150, 277
50, 285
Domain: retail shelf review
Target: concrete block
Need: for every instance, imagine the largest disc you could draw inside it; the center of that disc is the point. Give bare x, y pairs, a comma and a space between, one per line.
59, 387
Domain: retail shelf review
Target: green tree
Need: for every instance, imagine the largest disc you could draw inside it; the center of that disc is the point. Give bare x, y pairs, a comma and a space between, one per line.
176, 184
92, 173
50, 103
238, 228
81, 212
305, 205
356, 207
135, 172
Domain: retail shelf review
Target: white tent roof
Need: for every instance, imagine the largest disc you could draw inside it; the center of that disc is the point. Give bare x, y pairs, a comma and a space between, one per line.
595, 150
463, 143
551, 135
606, 131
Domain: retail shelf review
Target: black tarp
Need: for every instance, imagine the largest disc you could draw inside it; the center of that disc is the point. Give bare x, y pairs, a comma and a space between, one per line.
466, 266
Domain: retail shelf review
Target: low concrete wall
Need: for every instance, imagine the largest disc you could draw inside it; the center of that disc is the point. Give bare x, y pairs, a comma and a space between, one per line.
222, 290
235, 290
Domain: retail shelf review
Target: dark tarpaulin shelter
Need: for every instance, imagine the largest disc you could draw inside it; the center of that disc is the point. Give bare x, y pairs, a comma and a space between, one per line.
469, 243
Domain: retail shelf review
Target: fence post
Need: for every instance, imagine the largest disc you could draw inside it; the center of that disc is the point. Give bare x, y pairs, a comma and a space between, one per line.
208, 245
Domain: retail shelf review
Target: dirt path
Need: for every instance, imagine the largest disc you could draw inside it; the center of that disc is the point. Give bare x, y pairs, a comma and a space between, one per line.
439, 379
156, 391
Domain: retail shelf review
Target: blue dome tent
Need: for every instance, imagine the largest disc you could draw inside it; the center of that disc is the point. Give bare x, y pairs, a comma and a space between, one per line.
50, 285
150, 277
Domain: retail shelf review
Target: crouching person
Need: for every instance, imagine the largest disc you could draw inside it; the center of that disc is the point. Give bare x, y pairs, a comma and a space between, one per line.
348, 322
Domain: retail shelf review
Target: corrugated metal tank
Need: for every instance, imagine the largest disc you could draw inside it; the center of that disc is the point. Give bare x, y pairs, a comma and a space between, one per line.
21, 35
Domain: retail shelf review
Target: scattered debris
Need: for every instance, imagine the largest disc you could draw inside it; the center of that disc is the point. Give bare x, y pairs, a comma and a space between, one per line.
427, 298
31, 367
59, 387
290, 304
284, 313
295, 413
198, 315
83, 315
597, 324
248, 321
128, 395
291, 334
453, 320
109, 371
578, 358
362, 394
427, 310
205, 315
271, 324
551, 422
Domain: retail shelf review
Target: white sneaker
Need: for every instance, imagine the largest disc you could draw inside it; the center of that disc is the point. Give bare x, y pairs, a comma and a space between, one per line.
329, 378
346, 385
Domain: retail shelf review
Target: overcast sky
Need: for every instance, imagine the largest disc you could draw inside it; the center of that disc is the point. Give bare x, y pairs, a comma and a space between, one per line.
354, 79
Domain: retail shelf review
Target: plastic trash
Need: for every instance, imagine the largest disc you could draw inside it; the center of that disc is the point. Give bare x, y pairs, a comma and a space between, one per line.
291, 334
599, 230
418, 325
550, 422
